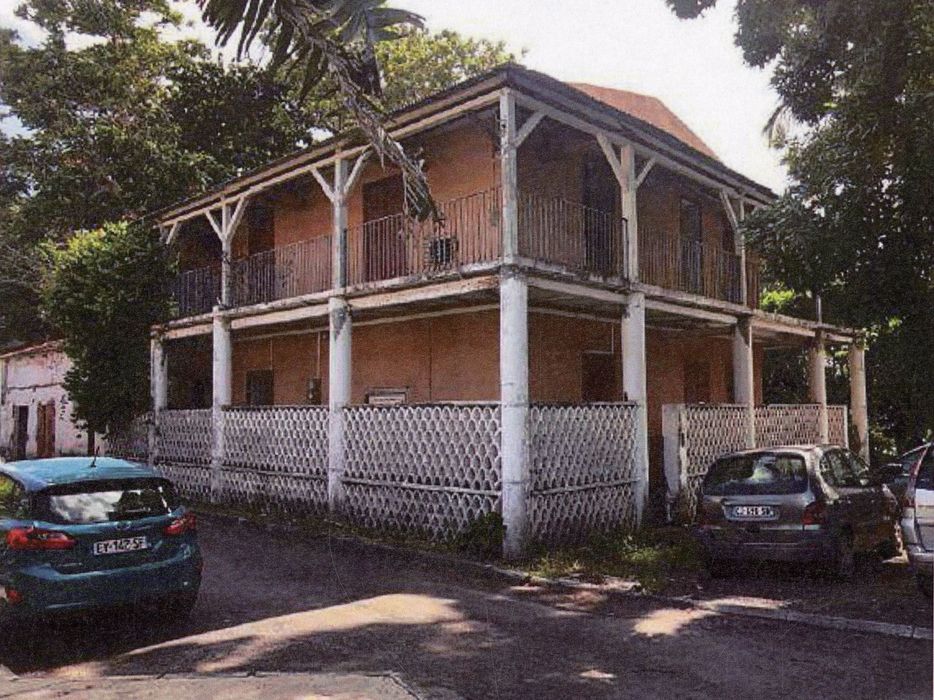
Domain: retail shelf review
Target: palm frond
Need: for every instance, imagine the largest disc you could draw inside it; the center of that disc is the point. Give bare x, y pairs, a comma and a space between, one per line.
333, 38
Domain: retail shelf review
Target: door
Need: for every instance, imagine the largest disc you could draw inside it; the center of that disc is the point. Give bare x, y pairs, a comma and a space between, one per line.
854, 508
692, 250
21, 431
600, 192
45, 430
697, 381
924, 500
384, 253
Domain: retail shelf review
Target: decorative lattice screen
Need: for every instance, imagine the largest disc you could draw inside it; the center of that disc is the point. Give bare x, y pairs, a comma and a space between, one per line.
184, 436
133, 442
584, 469
432, 469
276, 457
696, 435
837, 424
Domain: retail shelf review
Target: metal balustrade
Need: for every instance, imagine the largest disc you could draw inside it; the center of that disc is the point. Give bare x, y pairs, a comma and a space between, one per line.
686, 265
555, 233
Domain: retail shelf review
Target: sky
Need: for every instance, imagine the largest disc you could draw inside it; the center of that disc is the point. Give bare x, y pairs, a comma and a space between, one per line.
691, 65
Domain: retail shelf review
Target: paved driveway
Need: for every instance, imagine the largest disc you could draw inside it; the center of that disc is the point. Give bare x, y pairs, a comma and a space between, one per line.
290, 603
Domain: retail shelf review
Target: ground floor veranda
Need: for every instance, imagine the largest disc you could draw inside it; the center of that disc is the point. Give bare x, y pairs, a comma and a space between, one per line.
544, 401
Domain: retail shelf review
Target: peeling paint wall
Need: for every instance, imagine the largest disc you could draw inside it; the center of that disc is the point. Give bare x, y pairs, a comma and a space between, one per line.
32, 379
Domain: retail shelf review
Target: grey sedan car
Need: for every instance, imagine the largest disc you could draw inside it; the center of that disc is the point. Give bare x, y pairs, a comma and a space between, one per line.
802, 503
918, 519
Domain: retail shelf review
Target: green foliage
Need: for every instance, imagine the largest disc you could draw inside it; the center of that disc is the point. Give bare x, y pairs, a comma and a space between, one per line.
105, 289
855, 225
483, 537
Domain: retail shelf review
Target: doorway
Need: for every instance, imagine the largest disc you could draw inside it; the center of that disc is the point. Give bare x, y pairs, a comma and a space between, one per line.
20, 431
384, 254
45, 430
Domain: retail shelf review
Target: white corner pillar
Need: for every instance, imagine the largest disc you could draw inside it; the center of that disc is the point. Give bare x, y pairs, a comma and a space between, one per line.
859, 407
632, 340
339, 392
338, 194
159, 387
817, 384
509, 176
744, 392
222, 374
514, 409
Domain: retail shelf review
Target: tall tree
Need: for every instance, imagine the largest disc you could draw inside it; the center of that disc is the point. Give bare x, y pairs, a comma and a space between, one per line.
857, 79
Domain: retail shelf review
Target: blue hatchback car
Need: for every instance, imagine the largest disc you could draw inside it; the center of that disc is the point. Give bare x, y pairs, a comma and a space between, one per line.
79, 533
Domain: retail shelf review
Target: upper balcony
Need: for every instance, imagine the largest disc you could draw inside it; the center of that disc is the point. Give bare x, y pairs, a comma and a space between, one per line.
556, 236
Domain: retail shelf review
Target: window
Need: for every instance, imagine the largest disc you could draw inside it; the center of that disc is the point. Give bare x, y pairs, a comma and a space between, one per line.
926, 471
13, 501
598, 377
106, 501
259, 387
858, 468
697, 381
909, 460
836, 470
755, 474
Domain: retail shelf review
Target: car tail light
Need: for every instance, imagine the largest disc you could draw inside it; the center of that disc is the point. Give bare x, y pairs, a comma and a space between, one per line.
34, 539
186, 523
814, 513
13, 596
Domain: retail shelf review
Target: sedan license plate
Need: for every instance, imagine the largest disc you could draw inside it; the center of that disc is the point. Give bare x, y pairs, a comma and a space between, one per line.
754, 512
121, 546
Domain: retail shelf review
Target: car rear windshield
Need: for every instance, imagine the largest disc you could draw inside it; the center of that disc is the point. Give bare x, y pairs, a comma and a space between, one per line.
758, 473
106, 501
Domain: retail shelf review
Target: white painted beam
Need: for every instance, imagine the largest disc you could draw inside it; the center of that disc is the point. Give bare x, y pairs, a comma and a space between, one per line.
339, 396
744, 392
817, 383
509, 175
528, 127
635, 388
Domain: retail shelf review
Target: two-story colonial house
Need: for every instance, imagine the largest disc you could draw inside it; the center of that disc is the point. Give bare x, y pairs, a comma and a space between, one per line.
587, 285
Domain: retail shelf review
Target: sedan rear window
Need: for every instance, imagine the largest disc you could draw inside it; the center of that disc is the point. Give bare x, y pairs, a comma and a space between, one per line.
106, 501
755, 474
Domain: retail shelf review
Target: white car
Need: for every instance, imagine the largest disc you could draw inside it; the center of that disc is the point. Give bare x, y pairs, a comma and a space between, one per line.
918, 520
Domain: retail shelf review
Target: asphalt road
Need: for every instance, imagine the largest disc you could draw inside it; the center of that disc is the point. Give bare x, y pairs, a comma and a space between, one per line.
293, 604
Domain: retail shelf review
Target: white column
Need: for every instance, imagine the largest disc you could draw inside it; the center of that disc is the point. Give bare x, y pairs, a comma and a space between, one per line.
339, 388
514, 408
226, 276
859, 407
744, 392
222, 375
817, 384
632, 332
509, 176
159, 387
630, 209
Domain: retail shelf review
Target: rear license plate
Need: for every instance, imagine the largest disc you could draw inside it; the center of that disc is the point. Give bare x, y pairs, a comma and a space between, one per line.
126, 544
754, 512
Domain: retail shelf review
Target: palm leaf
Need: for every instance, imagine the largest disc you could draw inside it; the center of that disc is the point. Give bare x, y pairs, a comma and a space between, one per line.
333, 38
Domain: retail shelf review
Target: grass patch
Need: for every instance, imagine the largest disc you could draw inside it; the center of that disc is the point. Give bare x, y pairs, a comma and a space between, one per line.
652, 557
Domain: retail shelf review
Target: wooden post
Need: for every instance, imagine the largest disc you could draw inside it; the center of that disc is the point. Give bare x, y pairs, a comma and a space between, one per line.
509, 176
632, 337
859, 406
514, 409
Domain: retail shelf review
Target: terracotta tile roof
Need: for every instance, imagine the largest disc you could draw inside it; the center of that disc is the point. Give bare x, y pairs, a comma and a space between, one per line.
648, 109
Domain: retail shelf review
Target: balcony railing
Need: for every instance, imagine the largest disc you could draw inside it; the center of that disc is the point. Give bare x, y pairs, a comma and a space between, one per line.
553, 232
572, 236
400, 246
197, 291
687, 265
283, 273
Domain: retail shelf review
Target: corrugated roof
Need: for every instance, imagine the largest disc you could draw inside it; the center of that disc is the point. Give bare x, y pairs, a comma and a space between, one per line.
648, 109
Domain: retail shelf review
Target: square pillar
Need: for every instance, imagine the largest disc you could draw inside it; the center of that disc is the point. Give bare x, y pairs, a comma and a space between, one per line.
744, 392
817, 384
222, 375
514, 409
339, 388
632, 337
339, 225
159, 388
859, 407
